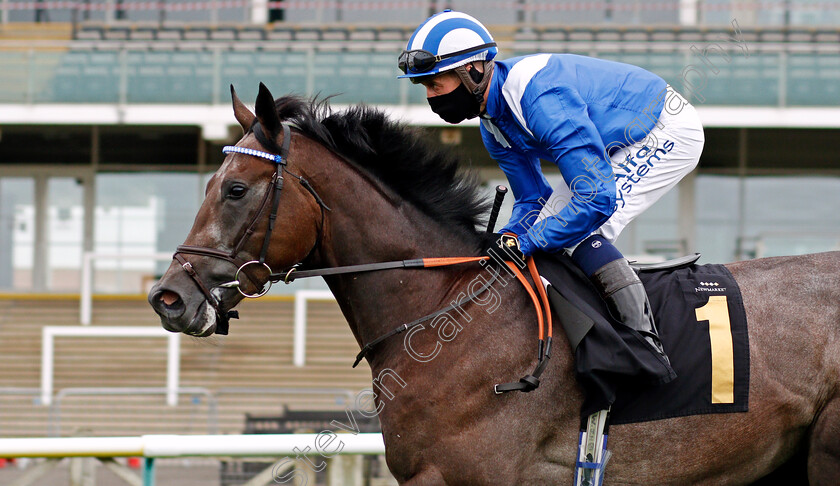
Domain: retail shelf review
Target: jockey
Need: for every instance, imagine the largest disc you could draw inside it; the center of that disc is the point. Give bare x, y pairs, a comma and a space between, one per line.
620, 135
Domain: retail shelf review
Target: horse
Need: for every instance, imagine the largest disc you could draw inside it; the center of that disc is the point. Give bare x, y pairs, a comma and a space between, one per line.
363, 189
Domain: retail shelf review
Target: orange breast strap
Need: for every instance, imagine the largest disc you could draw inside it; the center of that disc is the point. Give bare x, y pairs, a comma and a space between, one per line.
532, 381
537, 307
532, 267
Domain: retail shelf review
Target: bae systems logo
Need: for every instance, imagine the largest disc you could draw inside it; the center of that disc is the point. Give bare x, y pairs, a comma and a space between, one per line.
710, 287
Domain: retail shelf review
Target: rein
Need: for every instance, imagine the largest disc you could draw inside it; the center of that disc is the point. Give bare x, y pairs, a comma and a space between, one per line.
272, 197
294, 274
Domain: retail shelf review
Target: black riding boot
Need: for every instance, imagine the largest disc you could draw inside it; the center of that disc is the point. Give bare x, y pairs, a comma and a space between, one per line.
627, 300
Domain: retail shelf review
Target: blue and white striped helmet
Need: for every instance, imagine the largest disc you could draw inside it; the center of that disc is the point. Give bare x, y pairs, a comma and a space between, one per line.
452, 38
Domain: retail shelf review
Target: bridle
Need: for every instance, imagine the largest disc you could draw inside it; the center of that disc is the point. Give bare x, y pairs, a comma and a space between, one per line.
272, 197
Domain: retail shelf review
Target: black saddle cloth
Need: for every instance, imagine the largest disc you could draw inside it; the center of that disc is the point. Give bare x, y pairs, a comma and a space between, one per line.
617, 369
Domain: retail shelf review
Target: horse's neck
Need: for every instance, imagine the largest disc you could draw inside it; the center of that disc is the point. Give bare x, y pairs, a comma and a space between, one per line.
368, 224
369, 232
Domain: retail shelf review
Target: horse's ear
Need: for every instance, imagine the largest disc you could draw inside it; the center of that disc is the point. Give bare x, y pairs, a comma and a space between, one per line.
241, 112
266, 111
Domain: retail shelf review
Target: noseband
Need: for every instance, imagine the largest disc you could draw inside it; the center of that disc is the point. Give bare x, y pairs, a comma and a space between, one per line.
272, 196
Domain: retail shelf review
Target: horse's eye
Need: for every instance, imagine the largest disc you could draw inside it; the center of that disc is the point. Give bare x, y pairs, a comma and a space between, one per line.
237, 191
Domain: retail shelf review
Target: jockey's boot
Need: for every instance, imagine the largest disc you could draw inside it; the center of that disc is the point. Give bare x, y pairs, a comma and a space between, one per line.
627, 300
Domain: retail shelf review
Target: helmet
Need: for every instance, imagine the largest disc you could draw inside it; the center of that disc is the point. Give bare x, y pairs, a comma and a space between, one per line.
445, 41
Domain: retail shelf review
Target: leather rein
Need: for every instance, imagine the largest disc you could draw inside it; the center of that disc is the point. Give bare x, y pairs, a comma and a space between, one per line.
272, 198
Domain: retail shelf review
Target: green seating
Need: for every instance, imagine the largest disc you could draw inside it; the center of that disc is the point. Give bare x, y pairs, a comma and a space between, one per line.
358, 77
813, 80
13, 76
88, 77
204, 76
283, 72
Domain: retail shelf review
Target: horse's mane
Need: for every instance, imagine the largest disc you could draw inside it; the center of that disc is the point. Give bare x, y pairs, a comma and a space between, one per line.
398, 155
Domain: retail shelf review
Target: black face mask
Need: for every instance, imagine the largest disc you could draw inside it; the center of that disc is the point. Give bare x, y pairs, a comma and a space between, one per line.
456, 106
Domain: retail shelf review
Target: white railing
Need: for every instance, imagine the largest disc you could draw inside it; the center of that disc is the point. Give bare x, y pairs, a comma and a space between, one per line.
151, 447
86, 291
252, 445
173, 362
302, 297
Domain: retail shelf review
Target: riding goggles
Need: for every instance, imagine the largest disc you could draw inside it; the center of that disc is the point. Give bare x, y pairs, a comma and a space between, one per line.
420, 61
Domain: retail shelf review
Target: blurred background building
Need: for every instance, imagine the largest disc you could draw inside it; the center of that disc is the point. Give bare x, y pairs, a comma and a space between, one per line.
113, 114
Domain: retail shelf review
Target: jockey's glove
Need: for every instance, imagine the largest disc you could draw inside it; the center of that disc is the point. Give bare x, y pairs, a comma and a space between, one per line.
509, 243
506, 246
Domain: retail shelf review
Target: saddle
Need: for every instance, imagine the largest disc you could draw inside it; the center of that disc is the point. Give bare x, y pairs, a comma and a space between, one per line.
702, 325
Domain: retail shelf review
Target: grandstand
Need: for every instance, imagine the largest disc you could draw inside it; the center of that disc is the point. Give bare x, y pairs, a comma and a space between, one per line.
113, 114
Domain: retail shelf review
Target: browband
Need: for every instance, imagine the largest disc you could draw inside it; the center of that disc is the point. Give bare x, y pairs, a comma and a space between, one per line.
277, 159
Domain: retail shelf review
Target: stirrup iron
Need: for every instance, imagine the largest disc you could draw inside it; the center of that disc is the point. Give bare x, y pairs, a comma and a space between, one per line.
592, 451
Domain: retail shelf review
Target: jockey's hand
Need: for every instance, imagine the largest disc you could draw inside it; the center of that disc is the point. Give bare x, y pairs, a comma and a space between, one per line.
506, 246
509, 243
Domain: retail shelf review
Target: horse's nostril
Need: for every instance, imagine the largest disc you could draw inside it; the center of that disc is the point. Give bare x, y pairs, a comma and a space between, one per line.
168, 297
168, 304
170, 307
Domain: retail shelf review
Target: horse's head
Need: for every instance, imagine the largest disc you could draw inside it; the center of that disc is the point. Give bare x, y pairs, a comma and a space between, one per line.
232, 238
